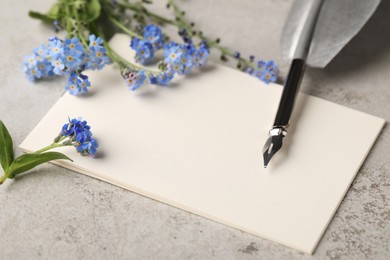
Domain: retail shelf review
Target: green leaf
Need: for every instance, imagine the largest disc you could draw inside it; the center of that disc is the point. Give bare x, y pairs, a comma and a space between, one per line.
30, 160
40, 16
55, 13
6, 147
93, 10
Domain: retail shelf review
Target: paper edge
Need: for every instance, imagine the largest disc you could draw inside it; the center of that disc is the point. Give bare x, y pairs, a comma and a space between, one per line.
382, 123
168, 202
69, 166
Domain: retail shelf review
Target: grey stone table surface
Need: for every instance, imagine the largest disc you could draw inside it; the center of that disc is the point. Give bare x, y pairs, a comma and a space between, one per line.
54, 213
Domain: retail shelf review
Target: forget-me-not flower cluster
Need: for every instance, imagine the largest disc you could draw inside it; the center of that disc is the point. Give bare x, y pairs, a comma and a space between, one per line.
178, 58
145, 48
67, 58
266, 71
80, 136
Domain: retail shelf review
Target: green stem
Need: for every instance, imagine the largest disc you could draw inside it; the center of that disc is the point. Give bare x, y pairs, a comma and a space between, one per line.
139, 8
68, 19
53, 145
3, 178
122, 63
182, 23
79, 31
130, 65
225, 51
123, 27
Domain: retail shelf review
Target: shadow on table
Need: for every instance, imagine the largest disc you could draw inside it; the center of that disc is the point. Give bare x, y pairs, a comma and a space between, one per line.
370, 43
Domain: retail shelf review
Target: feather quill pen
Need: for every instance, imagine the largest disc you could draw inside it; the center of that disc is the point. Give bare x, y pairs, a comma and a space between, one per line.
314, 33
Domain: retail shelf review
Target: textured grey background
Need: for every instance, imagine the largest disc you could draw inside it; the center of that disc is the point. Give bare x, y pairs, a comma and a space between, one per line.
53, 213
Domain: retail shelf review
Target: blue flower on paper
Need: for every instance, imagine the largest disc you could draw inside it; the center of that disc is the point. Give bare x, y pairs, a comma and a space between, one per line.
88, 148
144, 51
200, 57
267, 71
261, 64
269, 76
154, 36
135, 80
73, 88
172, 53
259, 74
250, 71
271, 66
183, 57
80, 136
77, 83
97, 59
74, 126
83, 135
84, 83
165, 77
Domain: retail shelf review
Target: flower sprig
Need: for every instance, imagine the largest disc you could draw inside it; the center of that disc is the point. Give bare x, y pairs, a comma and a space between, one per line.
267, 73
83, 19
67, 58
178, 58
74, 133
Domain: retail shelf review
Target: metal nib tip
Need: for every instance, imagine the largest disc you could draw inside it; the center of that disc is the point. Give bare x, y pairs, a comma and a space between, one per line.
273, 144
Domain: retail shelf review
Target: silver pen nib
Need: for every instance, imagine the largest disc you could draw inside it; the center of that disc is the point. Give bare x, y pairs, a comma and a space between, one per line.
273, 144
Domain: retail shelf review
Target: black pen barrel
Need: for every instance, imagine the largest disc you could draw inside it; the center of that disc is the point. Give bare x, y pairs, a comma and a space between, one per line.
290, 91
